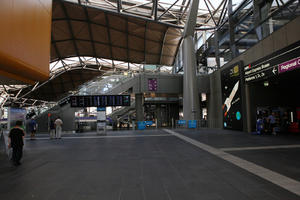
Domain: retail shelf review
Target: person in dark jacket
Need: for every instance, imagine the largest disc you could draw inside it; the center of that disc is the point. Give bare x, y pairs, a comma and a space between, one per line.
16, 142
32, 128
52, 129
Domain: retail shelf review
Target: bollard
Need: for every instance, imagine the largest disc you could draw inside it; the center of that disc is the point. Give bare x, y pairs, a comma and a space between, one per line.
133, 125
156, 123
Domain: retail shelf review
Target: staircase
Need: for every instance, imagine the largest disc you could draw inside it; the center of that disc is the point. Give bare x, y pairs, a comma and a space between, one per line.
123, 86
123, 111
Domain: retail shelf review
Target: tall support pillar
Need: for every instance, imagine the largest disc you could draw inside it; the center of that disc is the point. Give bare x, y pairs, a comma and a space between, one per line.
191, 108
158, 115
139, 107
248, 108
233, 48
217, 49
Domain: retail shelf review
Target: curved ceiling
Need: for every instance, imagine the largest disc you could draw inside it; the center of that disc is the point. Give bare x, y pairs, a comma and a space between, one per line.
107, 30
80, 30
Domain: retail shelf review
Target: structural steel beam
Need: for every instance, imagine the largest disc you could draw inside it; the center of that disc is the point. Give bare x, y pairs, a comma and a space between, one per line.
120, 6
191, 107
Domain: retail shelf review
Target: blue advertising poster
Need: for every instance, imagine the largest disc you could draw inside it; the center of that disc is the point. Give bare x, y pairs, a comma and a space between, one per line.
192, 124
141, 125
181, 122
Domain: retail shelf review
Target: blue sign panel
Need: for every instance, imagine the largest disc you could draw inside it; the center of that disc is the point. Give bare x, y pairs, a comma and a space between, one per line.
141, 125
181, 122
192, 124
149, 123
101, 108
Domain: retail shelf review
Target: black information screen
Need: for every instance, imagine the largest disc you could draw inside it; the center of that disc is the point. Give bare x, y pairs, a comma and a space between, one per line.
100, 100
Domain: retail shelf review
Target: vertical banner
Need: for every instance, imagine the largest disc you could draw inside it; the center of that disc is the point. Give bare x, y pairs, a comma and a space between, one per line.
152, 84
14, 115
231, 97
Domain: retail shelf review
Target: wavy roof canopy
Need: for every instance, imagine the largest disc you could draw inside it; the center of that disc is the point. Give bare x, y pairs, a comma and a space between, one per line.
80, 30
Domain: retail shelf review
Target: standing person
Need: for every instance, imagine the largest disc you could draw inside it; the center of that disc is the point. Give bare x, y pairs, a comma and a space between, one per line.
52, 129
32, 128
259, 125
272, 122
284, 123
58, 123
16, 142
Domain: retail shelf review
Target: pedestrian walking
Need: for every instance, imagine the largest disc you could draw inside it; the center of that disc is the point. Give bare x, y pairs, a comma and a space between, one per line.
32, 128
16, 142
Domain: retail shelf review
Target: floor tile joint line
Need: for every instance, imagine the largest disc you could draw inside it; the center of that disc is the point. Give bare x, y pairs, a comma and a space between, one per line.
280, 180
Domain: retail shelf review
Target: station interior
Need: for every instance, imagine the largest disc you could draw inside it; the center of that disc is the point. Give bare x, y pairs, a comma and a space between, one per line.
158, 99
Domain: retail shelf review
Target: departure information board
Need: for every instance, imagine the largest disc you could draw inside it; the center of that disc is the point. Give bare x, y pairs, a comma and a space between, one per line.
100, 100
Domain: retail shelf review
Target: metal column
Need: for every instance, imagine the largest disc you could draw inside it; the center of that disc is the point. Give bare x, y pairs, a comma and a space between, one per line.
233, 48
158, 115
139, 103
191, 109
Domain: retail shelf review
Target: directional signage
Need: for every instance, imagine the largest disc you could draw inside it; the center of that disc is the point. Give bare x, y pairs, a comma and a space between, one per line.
259, 72
289, 65
284, 60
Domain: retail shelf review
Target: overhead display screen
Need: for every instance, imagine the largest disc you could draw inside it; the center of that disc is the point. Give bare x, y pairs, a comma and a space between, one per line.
100, 100
231, 97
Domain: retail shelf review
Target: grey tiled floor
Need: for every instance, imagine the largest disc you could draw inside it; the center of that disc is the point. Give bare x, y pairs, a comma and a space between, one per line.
135, 168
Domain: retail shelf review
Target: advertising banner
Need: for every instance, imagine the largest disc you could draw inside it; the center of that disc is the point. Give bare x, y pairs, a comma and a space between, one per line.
152, 84
231, 97
14, 115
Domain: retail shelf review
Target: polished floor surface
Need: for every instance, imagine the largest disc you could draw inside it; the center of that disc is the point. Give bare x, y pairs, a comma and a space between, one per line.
151, 165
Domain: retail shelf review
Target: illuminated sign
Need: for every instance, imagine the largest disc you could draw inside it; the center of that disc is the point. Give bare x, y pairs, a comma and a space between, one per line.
289, 65
100, 100
281, 61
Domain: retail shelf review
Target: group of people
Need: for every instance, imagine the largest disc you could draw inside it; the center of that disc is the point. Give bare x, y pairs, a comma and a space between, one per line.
55, 128
17, 134
272, 123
